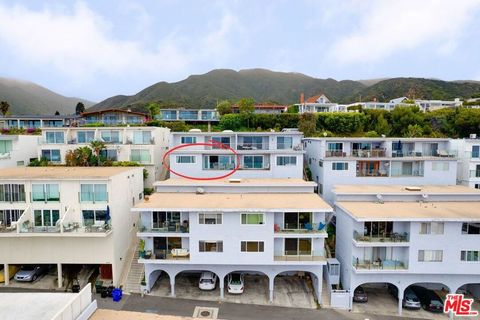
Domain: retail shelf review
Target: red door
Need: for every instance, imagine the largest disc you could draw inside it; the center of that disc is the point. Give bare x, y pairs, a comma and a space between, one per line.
106, 271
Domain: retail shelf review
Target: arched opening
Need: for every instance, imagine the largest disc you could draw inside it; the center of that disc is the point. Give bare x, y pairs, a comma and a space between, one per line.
375, 296
430, 295
295, 288
197, 284
472, 291
255, 287
159, 281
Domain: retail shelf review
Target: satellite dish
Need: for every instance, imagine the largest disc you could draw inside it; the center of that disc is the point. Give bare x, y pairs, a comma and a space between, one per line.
380, 198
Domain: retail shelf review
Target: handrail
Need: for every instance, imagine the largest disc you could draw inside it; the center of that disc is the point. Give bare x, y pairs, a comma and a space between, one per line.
22, 219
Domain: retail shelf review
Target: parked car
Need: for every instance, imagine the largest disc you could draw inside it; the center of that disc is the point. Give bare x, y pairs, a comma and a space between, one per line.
359, 295
30, 273
410, 299
429, 300
208, 281
12, 269
235, 283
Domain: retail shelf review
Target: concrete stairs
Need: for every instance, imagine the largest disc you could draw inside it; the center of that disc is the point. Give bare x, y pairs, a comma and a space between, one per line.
135, 275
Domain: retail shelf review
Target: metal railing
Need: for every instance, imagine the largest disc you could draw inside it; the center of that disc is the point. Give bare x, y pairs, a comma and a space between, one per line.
392, 237
300, 255
372, 173
379, 264
335, 153
163, 254
171, 227
407, 153
370, 153
44, 197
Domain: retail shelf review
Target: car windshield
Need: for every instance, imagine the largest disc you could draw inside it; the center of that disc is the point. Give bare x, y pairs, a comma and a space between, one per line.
235, 278
359, 291
411, 297
206, 281
436, 303
27, 268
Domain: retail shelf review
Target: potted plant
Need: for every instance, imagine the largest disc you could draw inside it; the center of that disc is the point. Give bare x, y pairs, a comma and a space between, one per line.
141, 249
143, 286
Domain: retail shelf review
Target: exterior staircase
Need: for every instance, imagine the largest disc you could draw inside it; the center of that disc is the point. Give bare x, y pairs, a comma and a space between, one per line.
135, 275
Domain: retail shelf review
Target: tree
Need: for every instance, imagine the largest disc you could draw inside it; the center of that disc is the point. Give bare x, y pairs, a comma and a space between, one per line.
4, 107
57, 113
414, 131
246, 106
154, 109
307, 124
224, 107
97, 146
382, 126
80, 108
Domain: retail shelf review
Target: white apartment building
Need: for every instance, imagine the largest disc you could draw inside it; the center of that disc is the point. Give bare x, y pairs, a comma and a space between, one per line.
268, 227
397, 235
431, 105
145, 145
68, 215
254, 155
17, 150
189, 115
469, 161
379, 161
318, 103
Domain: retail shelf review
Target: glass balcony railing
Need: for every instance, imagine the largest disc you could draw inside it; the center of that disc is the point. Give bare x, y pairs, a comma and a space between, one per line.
379, 264
335, 153
44, 197
299, 255
93, 197
252, 146
392, 237
164, 254
167, 227
300, 228
370, 153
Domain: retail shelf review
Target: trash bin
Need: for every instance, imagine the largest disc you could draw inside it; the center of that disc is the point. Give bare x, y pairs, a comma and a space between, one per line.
99, 286
117, 294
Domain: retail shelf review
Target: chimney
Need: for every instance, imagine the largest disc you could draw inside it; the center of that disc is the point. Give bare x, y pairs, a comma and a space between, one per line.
302, 98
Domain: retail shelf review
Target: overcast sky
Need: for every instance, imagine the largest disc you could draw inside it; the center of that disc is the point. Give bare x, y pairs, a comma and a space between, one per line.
96, 49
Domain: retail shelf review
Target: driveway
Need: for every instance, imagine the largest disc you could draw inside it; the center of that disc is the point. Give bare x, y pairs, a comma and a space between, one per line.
289, 291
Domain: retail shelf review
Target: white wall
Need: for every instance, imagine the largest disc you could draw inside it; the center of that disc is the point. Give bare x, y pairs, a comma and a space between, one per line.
24, 148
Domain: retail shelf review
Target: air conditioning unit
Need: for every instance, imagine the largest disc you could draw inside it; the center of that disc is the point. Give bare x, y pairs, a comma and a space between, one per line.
473, 136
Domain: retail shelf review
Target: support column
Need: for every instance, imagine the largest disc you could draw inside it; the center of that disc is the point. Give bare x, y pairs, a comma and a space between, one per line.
271, 284
319, 288
60, 277
222, 285
6, 274
400, 300
172, 285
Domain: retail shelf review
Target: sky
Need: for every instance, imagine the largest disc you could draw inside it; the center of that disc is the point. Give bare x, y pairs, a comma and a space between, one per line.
97, 49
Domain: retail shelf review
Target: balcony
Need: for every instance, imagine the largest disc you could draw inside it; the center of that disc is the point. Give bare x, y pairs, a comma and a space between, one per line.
301, 256
410, 153
307, 228
335, 154
370, 153
93, 197
393, 237
252, 146
166, 227
44, 197
173, 254
379, 264
474, 173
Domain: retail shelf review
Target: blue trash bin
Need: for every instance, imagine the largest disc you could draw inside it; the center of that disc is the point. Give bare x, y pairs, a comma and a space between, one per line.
116, 294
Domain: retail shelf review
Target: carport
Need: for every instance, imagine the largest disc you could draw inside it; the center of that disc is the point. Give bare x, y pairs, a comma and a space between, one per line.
379, 297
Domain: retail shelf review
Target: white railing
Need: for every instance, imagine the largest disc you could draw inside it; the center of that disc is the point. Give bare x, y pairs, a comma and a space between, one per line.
80, 307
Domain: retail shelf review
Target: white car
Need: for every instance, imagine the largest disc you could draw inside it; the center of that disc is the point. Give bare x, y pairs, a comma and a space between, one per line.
235, 283
208, 281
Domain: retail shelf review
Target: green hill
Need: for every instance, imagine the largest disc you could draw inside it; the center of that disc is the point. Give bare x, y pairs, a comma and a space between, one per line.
29, 98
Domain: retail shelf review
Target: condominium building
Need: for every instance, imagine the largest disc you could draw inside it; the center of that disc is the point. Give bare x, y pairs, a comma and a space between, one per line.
264, 108
253, 154
113, 117
189, 115
469, 161
397, 235
145, 145
68, 215
38, 121
266, 227
379, 161
17, 150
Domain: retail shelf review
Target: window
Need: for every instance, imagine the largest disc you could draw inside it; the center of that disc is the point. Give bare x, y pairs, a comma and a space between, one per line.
92, 216
163, 219
440, 166
430, 255
252, 246
51, 155
185, 159
85, 136
431, 228
46, 218
297, 220
109, 154
339, 165
470, 256
5, 146
298, 247
471, 228
253, 218
142, 137
221, 162
93, 193
9, 216
110, 136
475, 151
477, 186
54, 137
188, 139
320, 163
286, 161
252, 162
142, 156
225, 141
20, 163
378, 229
284, 142
210, 218
45, 192
12, 193
335, 146
252, 143
210, 246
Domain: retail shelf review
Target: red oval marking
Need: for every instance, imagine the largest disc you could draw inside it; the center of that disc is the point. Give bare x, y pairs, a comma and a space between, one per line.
211, 143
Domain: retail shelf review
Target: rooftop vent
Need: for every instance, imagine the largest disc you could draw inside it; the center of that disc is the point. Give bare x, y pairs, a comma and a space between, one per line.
379, 198
229, 131
412, 188
290, 130
194, 130
234, 180
200, 190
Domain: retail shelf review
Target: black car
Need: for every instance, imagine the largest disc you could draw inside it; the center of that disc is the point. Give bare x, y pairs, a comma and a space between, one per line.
359, 295
410, 299
429, 300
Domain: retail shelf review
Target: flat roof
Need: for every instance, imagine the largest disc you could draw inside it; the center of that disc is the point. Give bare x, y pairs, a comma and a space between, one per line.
241, 183
411, 211
104, 314
255, 133
61, 172
234, 202
401, 189
393, 139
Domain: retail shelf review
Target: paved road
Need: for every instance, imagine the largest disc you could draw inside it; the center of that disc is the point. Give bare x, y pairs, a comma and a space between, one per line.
230, 311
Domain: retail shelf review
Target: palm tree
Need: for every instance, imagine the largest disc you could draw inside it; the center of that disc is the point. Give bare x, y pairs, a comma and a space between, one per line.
97, 146
4, 107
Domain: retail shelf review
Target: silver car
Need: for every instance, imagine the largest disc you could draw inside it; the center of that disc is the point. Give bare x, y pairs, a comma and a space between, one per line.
30, 273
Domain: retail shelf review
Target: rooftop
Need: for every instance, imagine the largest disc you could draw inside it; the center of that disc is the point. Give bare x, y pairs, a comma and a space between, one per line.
114, 110
399, 189
30, 173
409, 211
393, 139
228, 132
235, 182
234, 202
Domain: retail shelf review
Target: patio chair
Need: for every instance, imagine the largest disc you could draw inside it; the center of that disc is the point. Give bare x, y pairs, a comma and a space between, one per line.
321, 226
308, 226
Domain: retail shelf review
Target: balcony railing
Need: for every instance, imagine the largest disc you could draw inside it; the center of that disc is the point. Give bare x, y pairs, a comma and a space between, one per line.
142, 158
400, 173
335, 153
379, 264
172, 227
248, 167
162, 254
474, 173
393, 237
373, 173
252, 146
44, 197
301, 256
220, 166
93, 197
318, 228
371, 153
424, 153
